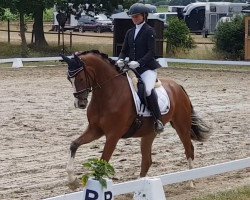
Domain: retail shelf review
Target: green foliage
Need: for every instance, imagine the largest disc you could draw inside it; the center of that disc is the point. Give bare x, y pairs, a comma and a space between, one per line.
162, 9
127, 3
14, 50
239, 194
26, 6
159, 3
1, 12
178, 37
229, 38
9, 50
48, 15
99, 170
8, 15
94, 6
180, 2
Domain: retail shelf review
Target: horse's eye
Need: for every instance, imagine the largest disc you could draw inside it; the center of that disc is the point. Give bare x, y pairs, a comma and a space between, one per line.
79, 79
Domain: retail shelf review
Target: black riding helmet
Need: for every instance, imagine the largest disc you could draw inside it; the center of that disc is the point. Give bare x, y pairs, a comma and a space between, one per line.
138, 8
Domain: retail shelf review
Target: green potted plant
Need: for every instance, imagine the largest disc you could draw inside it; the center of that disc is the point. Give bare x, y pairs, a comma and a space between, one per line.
98, 170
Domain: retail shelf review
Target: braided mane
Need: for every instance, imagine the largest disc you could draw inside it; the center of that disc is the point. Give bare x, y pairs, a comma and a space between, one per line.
103, 55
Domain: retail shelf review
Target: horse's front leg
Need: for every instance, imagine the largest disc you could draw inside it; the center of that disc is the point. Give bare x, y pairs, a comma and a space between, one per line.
146, 148
89, 135
109, 148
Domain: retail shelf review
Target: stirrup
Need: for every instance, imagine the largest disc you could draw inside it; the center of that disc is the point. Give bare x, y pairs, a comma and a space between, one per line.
159, 127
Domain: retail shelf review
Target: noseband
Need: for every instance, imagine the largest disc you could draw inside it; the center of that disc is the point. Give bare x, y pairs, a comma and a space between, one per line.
72, 74
89, 78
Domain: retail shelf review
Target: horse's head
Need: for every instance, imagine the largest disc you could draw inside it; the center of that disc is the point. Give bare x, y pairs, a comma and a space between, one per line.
80, 80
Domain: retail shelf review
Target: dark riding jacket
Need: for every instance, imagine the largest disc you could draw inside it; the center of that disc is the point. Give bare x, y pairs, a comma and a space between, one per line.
140, 49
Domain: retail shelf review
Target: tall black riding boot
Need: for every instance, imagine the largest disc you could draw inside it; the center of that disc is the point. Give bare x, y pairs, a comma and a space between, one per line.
155, 111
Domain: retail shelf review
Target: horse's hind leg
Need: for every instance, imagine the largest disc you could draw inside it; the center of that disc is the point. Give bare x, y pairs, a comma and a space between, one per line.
88, 136
183, 128
146, 148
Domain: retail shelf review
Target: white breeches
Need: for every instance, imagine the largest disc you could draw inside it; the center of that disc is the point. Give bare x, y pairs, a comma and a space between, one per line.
149, 79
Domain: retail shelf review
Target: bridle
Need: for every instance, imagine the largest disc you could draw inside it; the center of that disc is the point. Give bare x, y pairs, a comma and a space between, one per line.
73, 73
89, 79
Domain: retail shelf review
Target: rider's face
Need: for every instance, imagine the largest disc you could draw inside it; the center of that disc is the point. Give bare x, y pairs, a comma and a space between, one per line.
137, 19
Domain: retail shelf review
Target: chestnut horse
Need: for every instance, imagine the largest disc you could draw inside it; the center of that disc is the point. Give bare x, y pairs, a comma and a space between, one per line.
111, 110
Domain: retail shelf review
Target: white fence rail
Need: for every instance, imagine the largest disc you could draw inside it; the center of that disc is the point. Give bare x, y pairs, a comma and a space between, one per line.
138, 186
17, 62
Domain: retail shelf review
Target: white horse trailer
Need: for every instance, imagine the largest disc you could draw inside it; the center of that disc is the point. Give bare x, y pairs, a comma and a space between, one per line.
202, 17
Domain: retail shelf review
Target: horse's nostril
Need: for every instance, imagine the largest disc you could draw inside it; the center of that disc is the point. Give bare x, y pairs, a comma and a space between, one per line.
82, 106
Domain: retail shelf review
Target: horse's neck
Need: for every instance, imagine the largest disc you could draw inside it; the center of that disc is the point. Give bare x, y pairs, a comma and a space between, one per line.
104, 72
112, 99
109, 84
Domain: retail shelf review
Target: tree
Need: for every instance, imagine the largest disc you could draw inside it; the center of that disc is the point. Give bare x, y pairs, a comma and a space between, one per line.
229, 38
95, 6
178, 36
6, 15
16, 7
1, 12
127, 3
36, 9
39, 7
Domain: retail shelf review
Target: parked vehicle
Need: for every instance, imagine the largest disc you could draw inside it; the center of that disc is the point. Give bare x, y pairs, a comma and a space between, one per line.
88, 23
226, 19
202, 17
103, 19
223, 20
166, 16
73, 23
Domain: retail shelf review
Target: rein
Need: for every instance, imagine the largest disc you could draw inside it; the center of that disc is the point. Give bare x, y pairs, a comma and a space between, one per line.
88, 78
103, 83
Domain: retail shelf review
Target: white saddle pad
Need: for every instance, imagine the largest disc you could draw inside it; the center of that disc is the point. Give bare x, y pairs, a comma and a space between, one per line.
141, 109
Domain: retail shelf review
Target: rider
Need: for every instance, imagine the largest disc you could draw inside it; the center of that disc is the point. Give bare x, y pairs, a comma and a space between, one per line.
139, 46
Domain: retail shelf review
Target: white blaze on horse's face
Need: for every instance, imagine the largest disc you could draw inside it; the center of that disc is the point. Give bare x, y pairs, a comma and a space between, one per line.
72, 80
81, 97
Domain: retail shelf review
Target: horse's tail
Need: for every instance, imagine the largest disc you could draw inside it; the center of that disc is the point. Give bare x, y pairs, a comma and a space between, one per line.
200, 131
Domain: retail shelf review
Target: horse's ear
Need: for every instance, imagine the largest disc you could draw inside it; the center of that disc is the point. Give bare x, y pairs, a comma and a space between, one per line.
65, 58
77, 59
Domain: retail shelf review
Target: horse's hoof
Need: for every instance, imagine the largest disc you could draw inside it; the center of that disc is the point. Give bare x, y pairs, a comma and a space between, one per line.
191, 184
74, 185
